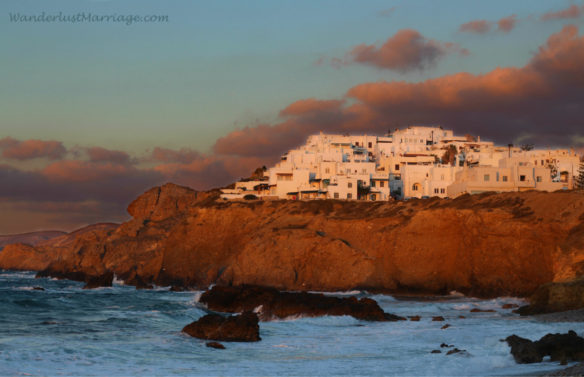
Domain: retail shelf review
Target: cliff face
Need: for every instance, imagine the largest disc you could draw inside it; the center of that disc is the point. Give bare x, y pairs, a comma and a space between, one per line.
485, 245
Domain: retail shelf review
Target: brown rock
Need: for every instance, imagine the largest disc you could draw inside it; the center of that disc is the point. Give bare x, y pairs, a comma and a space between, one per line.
438, 318
559, 347
103, 280
271, 303
414, 318
181, 237
216, 345
445, 327
509, 306
436, 351
237, 328
477, 310
555, 297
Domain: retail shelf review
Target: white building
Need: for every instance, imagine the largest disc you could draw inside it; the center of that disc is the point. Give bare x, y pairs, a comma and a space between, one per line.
407, 164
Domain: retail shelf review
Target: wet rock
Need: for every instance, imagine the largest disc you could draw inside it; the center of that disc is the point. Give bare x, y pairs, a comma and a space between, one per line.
104, 280
559, 347
477, 310
414, 318
509, 306
38, 289
524, 351
177, 288
271, 303
436, 351
445, 327
455, 350
444, 345
555, 297
461, 317
216, 345
438, 318
237, 328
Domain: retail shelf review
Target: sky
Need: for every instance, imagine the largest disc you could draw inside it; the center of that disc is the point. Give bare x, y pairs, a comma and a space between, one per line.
101, 101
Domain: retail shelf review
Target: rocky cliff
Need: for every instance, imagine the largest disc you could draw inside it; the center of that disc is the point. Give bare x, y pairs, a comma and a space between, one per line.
483, 245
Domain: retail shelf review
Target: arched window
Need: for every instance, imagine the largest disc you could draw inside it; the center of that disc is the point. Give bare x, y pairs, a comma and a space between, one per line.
415, 187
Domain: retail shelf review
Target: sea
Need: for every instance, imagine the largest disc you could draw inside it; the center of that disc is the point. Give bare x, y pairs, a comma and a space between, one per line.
64, 330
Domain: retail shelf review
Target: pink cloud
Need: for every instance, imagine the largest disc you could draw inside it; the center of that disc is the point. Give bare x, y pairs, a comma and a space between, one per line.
407, 50
183, 155
506, 24
30, 149
573, 11
99, 154
476, 26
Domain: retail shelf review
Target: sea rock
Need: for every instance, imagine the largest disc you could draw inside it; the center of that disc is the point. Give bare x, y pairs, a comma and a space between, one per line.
436, 351
216, 345
237, 328
445, 327
438, 318
271, 303
555, 297
559, 347
477, 310
414, 318
38, 289
454, 351
103, 280
509, 306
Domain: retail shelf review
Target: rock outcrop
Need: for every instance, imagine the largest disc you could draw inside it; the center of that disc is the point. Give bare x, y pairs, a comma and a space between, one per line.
560, 347
555, 297
483, 245
237, 328
270, 304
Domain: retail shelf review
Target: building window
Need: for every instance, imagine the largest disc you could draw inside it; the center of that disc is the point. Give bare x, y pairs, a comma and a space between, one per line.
487, 177
443, 191
415, 187
442, 177
522, 178
350, 184
364, 171
349, 196
372, 183
381, 184
336, 195
538, 178
436, 191
371, 146
396, 166
327, 170
504, 178
373, 197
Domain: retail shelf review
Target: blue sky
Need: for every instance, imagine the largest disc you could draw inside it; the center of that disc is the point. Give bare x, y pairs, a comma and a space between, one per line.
215, 66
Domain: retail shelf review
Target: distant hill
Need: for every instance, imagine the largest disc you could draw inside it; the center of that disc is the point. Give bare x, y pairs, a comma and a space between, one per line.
32, 238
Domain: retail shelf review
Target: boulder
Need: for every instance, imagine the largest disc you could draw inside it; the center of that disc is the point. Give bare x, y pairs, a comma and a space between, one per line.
237, 328
438, 318
271, 303
560, 347
216, 345
103, 280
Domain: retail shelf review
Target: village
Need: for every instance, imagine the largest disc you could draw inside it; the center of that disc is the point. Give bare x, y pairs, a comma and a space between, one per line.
415, 162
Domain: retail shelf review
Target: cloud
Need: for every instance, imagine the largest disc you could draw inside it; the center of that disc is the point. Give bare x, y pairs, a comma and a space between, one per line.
184, 155
29, 149
573, 11
99, 154
506, 24
542, 99
387, 12
476, 26
407, 50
